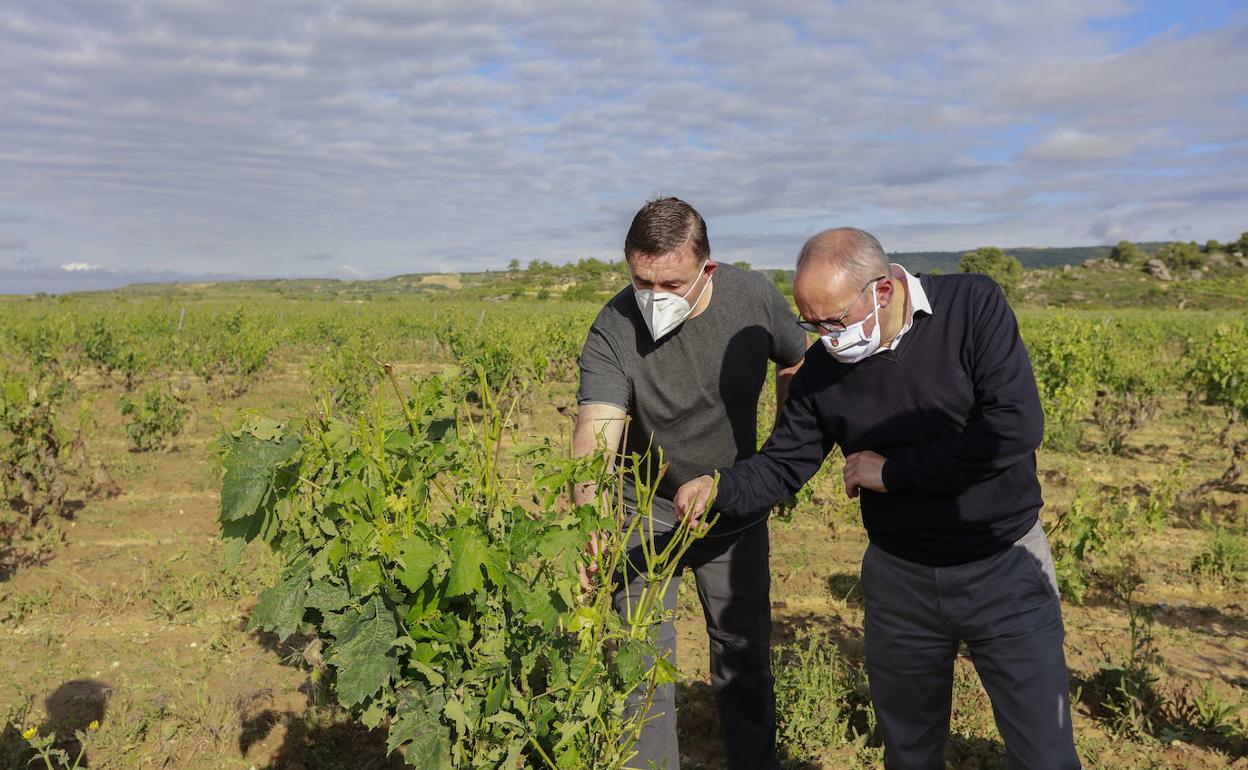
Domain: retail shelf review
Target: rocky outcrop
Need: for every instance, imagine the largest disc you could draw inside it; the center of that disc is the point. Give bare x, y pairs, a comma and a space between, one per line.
1157, 269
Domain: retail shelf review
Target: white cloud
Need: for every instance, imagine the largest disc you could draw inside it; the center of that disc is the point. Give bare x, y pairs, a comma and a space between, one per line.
1072, 144
81, 267
456, 135
349, 272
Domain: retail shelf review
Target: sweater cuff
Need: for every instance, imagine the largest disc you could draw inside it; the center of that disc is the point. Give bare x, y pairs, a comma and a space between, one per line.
726, 492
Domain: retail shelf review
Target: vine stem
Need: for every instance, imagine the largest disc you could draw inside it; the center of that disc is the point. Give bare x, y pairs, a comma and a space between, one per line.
542, 752
394, 382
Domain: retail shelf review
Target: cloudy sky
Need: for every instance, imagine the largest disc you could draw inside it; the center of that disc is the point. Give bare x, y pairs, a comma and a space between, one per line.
298, 137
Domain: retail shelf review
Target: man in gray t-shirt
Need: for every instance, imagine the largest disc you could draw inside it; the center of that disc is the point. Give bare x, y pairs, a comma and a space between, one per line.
683, 355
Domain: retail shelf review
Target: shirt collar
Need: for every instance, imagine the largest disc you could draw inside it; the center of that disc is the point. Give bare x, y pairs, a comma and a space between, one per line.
914, 288
916, 298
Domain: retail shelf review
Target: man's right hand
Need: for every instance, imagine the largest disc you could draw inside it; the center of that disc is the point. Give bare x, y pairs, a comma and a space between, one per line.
692, 499
589, 571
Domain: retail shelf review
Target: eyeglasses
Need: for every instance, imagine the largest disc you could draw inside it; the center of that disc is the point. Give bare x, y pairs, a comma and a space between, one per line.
835, 325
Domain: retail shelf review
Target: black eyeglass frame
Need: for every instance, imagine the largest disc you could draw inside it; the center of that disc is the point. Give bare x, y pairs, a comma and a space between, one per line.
836, 325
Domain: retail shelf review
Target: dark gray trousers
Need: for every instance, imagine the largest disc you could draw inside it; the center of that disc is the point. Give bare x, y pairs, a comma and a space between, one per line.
734, 581
1006, 609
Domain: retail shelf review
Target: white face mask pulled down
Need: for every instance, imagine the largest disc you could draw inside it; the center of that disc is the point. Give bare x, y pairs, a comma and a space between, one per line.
853, 344
664, 311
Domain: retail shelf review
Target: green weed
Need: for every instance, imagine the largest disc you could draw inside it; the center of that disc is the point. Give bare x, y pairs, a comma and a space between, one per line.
156, 420
1224, 559
1126, 683
821, 699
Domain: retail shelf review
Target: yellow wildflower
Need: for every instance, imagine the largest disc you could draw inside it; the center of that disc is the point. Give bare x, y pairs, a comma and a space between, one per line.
396, 503
95, 725
31, 732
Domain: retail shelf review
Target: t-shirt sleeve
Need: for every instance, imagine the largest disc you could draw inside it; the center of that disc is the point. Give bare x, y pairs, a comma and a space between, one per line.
788, 341
603, 380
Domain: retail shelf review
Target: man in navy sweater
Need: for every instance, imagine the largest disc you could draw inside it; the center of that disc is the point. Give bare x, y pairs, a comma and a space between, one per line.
925, 385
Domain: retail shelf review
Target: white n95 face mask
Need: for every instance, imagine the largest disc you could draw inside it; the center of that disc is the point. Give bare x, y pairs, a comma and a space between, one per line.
853, 344
664, 311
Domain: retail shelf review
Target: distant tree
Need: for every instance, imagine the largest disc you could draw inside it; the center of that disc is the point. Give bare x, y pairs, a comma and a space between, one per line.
997, 265
780, 278
1242, 244
1211, 246
581, 293
592, 267
1125, 253
1181, 256
543, 294
513, 265
743, 265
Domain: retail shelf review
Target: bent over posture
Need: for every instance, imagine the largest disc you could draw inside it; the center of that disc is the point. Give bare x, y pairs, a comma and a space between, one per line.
925, 385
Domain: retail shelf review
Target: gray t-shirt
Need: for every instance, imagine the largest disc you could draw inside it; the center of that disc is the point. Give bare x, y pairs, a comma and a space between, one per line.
695, 391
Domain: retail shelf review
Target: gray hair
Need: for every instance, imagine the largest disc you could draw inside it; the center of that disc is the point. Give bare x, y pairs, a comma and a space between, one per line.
856, 253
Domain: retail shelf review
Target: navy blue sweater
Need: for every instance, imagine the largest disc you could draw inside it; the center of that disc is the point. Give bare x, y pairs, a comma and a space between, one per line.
954, 410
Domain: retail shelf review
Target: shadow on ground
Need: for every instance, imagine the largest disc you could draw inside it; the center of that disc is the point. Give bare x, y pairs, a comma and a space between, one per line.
845, 587
23, 545
312, 742
1163, 714
70, 709
975, 753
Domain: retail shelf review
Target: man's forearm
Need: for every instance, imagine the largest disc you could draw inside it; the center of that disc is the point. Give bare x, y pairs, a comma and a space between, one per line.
584, 492
793, 454
585, 442
597, 426
582, 446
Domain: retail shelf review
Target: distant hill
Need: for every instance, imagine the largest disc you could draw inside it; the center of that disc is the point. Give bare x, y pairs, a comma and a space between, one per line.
1030, 256
592, 275
585, 279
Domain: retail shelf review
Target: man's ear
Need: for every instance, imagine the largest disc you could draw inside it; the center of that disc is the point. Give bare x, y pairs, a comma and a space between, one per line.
710, 267
886, 291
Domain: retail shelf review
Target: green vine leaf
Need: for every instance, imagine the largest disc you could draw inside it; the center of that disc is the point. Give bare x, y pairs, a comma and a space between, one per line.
363, 653
416, 559
281, 607
418, 726
327, 597
249, 471
468, 555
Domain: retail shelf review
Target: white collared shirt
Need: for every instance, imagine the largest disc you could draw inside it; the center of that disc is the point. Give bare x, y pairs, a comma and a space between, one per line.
916, 301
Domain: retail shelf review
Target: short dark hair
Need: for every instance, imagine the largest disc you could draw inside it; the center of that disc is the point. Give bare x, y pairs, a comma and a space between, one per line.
663, 226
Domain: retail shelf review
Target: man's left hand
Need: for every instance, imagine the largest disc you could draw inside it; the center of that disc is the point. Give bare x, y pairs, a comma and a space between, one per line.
864, 470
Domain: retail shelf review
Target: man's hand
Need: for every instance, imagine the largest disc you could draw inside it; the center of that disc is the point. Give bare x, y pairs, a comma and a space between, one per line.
864, 470
692, 498
589, 571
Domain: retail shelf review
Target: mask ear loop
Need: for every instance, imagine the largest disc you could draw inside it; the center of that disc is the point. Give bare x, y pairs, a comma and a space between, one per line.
702, 291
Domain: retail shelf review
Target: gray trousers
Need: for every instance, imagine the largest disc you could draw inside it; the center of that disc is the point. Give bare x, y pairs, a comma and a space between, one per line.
1006, 609
734, 580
